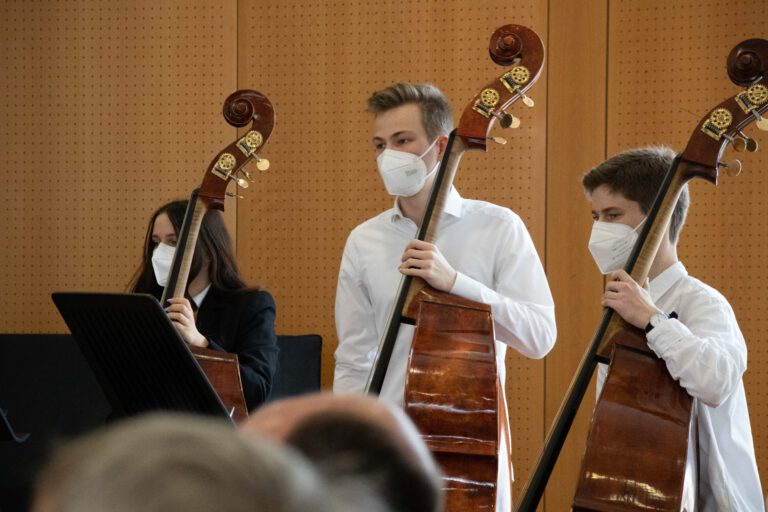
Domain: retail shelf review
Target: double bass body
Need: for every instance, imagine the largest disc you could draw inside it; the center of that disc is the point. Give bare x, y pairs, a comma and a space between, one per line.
453, 396
638, 445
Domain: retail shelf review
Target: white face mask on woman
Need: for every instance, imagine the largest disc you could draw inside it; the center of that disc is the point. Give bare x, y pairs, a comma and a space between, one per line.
403, 173
611, 243
162, 259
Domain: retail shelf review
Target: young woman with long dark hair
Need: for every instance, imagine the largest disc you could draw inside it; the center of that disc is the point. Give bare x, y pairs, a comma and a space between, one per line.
224, 312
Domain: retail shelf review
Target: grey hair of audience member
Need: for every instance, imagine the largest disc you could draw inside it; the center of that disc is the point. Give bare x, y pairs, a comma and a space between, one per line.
167, 462
357, 439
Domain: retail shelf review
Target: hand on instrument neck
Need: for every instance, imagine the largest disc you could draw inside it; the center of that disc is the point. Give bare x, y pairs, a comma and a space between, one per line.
424, 260
183, 319
627, 298
630, 300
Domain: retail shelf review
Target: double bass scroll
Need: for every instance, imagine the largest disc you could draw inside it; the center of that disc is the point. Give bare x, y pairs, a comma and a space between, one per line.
241, 108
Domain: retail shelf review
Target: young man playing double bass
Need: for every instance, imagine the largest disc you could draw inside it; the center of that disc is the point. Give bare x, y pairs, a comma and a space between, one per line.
483, 252
689, 325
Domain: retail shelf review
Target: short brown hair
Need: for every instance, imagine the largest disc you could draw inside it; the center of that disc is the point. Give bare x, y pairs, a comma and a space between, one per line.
436, 113
637, 174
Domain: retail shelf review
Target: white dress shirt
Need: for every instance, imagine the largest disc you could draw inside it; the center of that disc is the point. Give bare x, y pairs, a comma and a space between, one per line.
705, 351
497, 264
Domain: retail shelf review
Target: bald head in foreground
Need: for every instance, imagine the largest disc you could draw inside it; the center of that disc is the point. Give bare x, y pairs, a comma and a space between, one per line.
357, 439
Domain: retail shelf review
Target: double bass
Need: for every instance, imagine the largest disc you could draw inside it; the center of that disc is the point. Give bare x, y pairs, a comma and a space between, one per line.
240, 108
452, 392
636, 453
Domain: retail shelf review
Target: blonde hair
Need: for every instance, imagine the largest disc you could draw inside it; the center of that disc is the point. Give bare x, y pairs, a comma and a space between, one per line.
436, 113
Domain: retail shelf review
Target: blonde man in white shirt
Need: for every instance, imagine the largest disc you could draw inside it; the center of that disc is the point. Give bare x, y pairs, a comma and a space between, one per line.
483, 252
703, 347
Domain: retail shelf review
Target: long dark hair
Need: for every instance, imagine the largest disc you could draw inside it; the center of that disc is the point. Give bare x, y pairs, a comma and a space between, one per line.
213, 242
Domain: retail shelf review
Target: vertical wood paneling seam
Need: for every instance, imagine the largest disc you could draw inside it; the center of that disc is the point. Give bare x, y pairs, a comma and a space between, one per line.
544, 425
607, 77
236, 236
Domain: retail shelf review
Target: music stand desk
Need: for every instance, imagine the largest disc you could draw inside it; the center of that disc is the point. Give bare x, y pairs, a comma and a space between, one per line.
136, 354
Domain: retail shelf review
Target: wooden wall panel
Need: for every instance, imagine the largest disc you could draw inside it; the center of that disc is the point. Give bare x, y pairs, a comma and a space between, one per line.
666, 70
575, 143
109, 109
319, 62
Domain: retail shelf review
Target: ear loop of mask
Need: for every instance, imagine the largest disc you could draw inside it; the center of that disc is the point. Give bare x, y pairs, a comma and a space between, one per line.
437, 164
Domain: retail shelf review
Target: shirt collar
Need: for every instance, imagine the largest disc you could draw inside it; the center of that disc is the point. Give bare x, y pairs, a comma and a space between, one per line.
201, 296
664, 281
453, 206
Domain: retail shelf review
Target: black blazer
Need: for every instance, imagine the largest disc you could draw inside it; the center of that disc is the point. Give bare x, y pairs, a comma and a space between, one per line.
243, 323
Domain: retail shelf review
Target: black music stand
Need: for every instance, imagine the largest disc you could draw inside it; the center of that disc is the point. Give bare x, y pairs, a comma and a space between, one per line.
137, 356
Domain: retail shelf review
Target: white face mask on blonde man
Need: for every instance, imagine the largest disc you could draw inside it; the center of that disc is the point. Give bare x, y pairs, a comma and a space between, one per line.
403, 173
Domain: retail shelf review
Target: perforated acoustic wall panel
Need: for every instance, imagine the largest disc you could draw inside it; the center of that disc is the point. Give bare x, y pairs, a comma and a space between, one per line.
576, 106
319, 62
109, 109
677, 51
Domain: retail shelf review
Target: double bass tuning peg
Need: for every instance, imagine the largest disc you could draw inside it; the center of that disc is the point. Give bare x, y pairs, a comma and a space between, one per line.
741, 142
507, 120
247, 174
527, 101
498, 140
732, 168
262, 164
761, 122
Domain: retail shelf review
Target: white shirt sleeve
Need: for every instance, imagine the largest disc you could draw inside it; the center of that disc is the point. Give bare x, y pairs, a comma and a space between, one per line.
704, 350
521, 302
355, 327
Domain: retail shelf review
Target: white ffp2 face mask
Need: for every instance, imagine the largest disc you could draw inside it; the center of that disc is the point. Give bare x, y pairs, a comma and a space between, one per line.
611, 243
162, 259
403, 173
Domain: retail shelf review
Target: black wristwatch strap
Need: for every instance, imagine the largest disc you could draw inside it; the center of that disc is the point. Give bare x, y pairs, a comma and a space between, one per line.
649, 327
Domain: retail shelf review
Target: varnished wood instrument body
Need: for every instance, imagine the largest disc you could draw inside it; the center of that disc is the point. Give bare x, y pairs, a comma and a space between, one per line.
452, 390
452, 395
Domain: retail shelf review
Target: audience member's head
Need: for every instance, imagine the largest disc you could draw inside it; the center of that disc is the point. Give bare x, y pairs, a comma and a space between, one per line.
357, 438
178, 462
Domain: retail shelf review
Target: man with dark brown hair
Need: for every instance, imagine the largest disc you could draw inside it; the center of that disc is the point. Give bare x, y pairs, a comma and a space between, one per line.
689, 325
